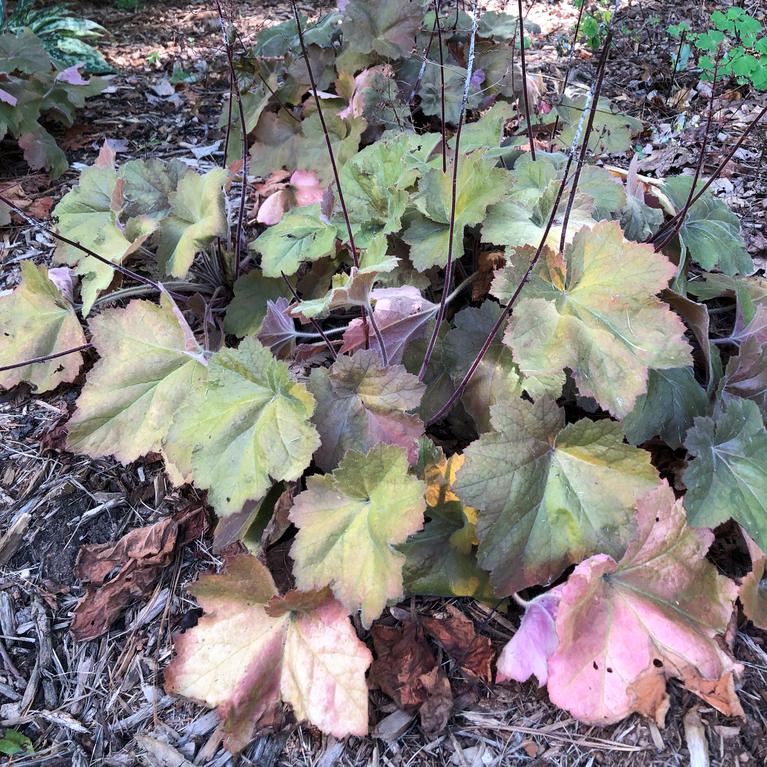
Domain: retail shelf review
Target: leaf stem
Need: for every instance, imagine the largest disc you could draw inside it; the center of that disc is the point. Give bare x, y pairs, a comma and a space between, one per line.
320, 331
40, 226
45, 357
437, 7
453, 199
524, 81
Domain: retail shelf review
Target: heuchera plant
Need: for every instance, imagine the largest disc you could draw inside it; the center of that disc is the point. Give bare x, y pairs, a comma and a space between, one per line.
454, 345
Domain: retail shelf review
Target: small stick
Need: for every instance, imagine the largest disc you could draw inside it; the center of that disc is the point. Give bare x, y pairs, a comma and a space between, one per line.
45, 358
524, 81
453, 199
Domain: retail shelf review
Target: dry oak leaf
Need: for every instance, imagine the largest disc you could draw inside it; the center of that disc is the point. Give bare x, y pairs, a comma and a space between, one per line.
139, 557
595, 311
471, 651
149, 361
253, 648
406, 670
35, 321
348, 525
626, 627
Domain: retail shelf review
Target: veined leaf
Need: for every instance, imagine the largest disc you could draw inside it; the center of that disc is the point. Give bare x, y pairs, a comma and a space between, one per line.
661, 612
302, 235
710, 231
673, 399
595, 311
612, 130
440, 558
479, 184
361, 404
35, 321
248, 422
727, 479
348, 525
246, 311
149, 361
549, 495
387, 29
253, 648
197, 215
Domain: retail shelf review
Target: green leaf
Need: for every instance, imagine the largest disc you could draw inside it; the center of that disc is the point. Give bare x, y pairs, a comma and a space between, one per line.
478, 185
302, 235
595, 311
549, 495
612, 131
90, 214
375, 183
727, 478
497, 377
149, 185
361, 404
348, 525
639, 221
35, 321
14, 742
23, 53
197, 216
430, 92
247, 422
388, 29
711, 231
673, 400
440, 559
149, 361
246, 311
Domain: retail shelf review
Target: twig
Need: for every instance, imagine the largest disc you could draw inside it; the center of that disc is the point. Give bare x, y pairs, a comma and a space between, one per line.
585, 143
453, 199
698, 168
337, 177
437, 8
568, 68
425, 61
40, 226
45, 358
314, 322
524, 81
235, 86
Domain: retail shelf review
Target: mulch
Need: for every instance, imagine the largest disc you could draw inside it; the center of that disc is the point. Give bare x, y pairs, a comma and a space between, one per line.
101, 702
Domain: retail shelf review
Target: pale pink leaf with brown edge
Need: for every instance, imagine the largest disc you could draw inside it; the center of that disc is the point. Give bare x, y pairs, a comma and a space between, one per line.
72, 76
626, 627
273, 208
106, 156
8, 98
323, 674
252, 648
64, 279
753, 587
306, 187
402, 315
527, 653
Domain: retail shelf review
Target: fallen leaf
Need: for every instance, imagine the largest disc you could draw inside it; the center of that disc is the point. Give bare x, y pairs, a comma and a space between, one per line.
753, 587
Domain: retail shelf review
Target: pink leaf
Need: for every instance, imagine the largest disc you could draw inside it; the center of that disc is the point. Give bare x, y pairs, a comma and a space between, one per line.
527, 653
7, 98
64, 279
273, 208
72, 76
307, 187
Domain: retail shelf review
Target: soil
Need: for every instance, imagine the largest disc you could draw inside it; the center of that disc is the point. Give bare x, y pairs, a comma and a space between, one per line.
101, 702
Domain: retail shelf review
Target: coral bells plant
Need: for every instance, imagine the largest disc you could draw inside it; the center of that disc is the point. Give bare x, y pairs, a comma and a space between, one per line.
443, 364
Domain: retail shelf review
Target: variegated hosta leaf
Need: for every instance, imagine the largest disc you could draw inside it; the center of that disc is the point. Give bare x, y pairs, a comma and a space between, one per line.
149, 362
727, 478
595, 311
253, 648
661, 612
197, 215
247, 422
35, 321
440, 559
361, 404
549, 495
349, 523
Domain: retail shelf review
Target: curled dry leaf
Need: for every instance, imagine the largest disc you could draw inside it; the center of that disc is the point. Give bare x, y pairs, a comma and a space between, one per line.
253, 648
753, 587
137, 559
